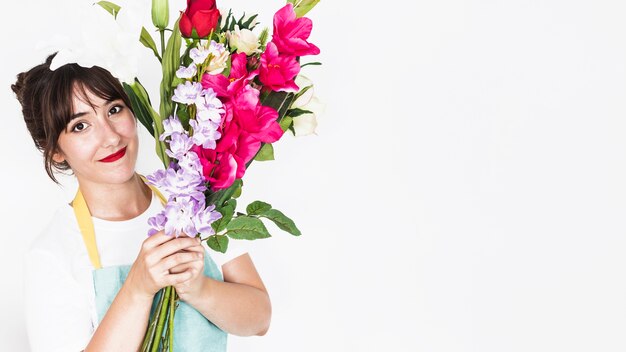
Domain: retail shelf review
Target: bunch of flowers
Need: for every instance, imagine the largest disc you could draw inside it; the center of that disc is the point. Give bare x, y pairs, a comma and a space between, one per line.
226, 95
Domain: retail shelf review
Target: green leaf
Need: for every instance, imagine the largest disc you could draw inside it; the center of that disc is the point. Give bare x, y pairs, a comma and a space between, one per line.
257, 207
286, 122
303, 6
246, 228
146, 39
140, 110
265, 153
170, 63
311, 63
282, 221
218, 243
297, 112
111, 8
220, 197
183, 115
248, 22
237, 192
227, 212
303, 90
264, 36
280, 101
157, 124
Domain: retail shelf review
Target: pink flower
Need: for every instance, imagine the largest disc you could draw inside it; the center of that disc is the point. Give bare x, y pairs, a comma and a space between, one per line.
220, 169
290, 33
256, 119
238, 78
277, 71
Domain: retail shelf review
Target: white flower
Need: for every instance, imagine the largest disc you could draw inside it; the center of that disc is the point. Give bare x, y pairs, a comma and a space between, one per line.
306, 123
102, 40
219, 58
244, 40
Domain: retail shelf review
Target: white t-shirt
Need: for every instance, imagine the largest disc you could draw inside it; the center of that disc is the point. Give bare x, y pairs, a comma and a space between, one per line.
59, 298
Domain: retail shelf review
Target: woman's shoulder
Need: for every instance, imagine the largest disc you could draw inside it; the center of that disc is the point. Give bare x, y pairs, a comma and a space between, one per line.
59, 236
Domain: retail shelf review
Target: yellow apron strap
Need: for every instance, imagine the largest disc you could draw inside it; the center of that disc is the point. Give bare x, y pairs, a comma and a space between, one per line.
85, 224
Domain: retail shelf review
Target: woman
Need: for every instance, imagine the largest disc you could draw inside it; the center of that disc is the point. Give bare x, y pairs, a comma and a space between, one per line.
81, 120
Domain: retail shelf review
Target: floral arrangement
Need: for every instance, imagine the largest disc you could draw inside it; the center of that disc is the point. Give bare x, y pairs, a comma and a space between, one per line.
226, 95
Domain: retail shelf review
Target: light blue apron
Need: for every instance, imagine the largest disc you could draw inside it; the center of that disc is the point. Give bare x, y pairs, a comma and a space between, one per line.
192, 331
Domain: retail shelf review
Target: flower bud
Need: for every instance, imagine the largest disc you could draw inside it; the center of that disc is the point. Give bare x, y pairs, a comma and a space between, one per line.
160, 13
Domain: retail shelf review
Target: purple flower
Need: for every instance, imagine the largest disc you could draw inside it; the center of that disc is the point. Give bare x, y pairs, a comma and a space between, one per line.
205, 133
190, 163
180, 144
157, 223
199, 54
187, 72
171, 125
157, 178
209, 106
203, 219
179, 213
187, 93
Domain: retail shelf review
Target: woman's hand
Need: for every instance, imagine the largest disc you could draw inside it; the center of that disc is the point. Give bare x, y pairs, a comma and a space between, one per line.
192, 287
159, 253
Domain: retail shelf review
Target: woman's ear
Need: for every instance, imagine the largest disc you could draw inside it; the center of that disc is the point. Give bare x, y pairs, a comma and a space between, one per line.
58, 157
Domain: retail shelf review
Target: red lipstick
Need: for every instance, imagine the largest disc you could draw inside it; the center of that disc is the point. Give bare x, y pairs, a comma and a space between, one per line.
120, 153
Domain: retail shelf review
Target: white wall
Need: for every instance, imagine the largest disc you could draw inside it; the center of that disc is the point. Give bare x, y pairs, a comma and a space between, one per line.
465, 191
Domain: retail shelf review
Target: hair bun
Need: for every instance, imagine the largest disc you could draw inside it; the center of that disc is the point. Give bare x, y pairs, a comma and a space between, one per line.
18, 86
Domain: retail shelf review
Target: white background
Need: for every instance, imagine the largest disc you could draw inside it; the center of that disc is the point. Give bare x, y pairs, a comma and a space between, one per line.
465, 192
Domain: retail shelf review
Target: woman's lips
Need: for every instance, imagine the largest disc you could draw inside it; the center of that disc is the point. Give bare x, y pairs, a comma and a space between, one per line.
114, 156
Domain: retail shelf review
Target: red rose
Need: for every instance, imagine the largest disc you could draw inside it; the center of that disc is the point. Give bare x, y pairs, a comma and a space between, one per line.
201, 15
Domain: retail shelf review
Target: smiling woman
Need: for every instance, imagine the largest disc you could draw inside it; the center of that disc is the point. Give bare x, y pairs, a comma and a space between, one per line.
102, 131
98, 269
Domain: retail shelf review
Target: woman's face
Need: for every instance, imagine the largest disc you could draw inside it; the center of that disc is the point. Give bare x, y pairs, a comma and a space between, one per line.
92, 135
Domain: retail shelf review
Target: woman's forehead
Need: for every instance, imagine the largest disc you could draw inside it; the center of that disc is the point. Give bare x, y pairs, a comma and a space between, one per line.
85, 99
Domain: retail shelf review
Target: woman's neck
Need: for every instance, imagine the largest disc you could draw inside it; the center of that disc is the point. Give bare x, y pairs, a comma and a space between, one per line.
117, 202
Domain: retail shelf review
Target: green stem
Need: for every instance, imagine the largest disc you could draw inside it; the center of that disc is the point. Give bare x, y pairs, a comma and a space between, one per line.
170, 329
149, 338
162, 32
159, 328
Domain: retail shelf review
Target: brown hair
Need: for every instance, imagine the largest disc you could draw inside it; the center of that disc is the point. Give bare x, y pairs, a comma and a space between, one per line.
46, 97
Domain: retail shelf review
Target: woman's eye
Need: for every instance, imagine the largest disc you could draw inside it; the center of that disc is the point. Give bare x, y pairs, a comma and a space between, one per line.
76, 127
116, 109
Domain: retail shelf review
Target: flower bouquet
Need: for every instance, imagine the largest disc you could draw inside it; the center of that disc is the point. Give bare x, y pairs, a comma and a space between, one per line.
226, 95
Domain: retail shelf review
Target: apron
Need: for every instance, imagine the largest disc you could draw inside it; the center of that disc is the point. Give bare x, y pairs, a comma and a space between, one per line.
192, 331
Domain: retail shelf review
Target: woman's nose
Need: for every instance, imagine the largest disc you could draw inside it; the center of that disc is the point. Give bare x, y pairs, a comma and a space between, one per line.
110, 137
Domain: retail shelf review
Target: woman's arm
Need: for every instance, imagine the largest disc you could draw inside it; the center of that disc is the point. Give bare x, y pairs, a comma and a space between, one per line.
124, 324
240, 305
126, 320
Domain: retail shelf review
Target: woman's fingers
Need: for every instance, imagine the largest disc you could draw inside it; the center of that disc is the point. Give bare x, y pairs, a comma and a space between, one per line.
179, 258
170, 247
174, 279
156, 240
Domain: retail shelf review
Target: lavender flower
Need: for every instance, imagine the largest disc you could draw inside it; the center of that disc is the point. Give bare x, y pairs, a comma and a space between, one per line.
171, 125
203, 219
190, 164
187, 72
179, 182
187, 93
179, 213
199, 54
157, 223
180, 143
205, 133
209, 106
